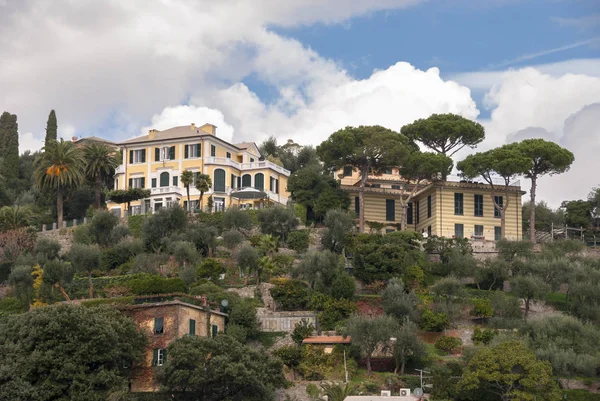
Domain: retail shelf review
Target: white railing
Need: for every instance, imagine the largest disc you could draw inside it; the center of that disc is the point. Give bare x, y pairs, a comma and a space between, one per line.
277, 197
265, 164
120, 169
222, 160
480, 180
167, 190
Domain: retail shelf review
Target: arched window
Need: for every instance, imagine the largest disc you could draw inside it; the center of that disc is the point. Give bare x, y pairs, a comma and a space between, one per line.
259, 181
164, 179
219, 180
246, 180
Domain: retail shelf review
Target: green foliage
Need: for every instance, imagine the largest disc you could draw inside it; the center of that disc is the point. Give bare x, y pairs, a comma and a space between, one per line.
9, 306
121, 253
506, 306
51, 127
331, 311
210, 269
100, 165
529, 288
484, 336
446, 246
482, 308
580, 395
87, 361
243, 315
513, 250
290, 294
162, 224
81, 235
447, 344
407, 347
235, 218
399, 302
290, 355
316, 365
445, 133
300, 210
319, 269
22, 281
14, 217
339, 230
47, 248
339, 392
101, 226
232, 238
343, 287
156, 285
277, 221
9, 146
431, 321
247, 258
148, 263
136, 225
220, 368
184, 252
511, 371
299, 240
128, 195
302, 330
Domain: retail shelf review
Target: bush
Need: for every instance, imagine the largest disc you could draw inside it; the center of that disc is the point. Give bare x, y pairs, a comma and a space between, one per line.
162, 224
188, 274
184, 252
243, 314
156, 285
121, 253
136, 224
332, 311
447, 344
298, 240
482, 309
210, 269
339, 230
81, 235
101, 226
234, 218
118, 233
277, 221
302, 330
484, 336
148, 263
291, 294
47, 248
232, 238
431, 321
344, 287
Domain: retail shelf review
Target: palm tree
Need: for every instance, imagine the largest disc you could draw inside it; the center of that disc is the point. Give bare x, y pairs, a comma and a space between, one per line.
100, 163
13, 217
339, 392
60, 166
187, 179
203, 184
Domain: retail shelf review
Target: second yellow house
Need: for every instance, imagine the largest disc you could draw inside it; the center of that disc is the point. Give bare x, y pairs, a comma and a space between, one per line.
156, 161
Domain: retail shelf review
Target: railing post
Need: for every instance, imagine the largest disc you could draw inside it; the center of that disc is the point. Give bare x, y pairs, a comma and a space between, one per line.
54, 225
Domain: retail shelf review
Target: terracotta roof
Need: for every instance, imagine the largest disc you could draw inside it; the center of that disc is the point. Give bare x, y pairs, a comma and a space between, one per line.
95, 139
327, 340
184, 131
244, 145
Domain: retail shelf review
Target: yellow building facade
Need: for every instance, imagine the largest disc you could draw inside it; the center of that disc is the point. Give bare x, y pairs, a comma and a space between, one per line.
156, 161
453, 208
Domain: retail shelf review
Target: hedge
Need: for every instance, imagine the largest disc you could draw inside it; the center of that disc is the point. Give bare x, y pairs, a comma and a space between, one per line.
156, 285
580, 395
80, 285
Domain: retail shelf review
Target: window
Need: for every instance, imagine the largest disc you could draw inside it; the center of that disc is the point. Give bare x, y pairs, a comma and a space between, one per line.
137, 182
228, 155
388, 171
356, 205
429, 231
175, 180
137, 156
164, 179
219, 180
259, 181
252, 160
418, 211
376, 185
213, 150
192, 327
159, 326
246, 180
458, 203
459, 231
500, 201
159, 356
193, 205
478, 231
390, 210
347, 171
409, 213
233, 181
478, 205
395, 186
429, 206
154, 183
215, 330
497, 233
192, 151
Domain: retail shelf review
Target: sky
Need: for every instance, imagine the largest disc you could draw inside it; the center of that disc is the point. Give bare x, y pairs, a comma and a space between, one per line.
302, 69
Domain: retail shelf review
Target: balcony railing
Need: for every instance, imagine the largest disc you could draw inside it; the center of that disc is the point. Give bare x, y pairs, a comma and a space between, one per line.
167, 190
246, 166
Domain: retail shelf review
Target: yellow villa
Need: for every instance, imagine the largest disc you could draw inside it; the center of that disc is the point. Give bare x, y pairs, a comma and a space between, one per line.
453, 208
156, 161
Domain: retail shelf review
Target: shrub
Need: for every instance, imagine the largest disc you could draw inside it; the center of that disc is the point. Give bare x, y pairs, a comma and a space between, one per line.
482, 309
277, 221
162, 224
446, 343
298, 240
184, 252
232, 238
243, 314
47, 248
148, 263
431, 321
234, 218
121, 253
302, 330
484, 336
343, 287
300, 212
118, 233
136, 224
188, 274
210, 269
291, 294
332, 311
156, 285
81, 235
101, 226
339, 230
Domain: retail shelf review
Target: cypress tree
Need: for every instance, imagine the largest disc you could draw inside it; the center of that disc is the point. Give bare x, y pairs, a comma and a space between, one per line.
51, 127
9, 146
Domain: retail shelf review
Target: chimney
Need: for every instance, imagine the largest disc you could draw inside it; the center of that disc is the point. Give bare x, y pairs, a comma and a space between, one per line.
74, 139
204, 299
209, 129
193, 126
151, 133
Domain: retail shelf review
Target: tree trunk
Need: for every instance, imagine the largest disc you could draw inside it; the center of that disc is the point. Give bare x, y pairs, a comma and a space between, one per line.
502, 223
91, 285
97, 185
364, 174
532, 210
187, 188
527, 307
62, 291
59, 206
200, 200
403, 218
402, 368
369, 365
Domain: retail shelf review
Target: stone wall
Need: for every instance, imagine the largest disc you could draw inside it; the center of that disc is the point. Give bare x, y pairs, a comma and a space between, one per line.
283, 321
63, 236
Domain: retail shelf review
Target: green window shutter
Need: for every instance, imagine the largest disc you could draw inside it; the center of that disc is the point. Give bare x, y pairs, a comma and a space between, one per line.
198, 149
429, 206
356, 205
219, 180
233, 180
156, 154
159, 325
409, 213
143, 155
215, 330
277, 185
228, 155
164, 356
175, 180
390, 210
154, 183
347, 171
213, 150
271, 185
246, 180
131, 183
130, 156
186, 152
259, 181
164, 179
172, 153
458, 203
192, 327
143, 183
154, 357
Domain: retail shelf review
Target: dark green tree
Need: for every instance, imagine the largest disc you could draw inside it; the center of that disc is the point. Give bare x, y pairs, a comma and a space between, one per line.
277, 221
339, 225
67, 352
128, 195
398, 302
369, 333
578, 213
368, 149
529, 288
319, 269
9, 147
86, 259
101, 225
547, 158
220, 368
100, 163
51, 128
162, 224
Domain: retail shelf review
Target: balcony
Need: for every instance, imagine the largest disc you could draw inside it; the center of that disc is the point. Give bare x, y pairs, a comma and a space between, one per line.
120, 169
223, 161
167, 190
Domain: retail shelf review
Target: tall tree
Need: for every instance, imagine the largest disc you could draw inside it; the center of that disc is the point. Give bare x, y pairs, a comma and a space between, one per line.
59, 167
369, 333
418, 168
9, 147
203, 184
187, 179
578, 213
445, 133
407, 346
506, 162
546, 158
51, 128
368, 149
100, 163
